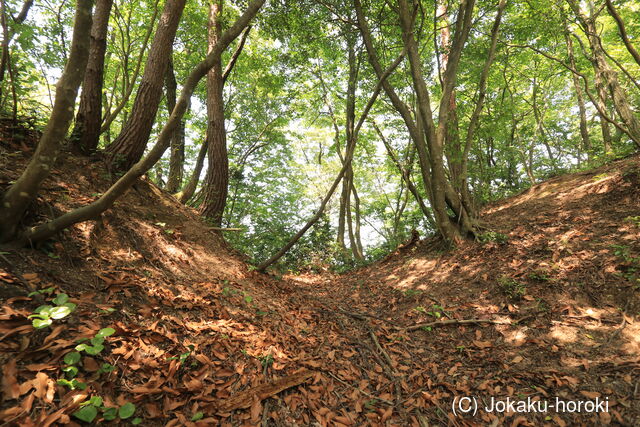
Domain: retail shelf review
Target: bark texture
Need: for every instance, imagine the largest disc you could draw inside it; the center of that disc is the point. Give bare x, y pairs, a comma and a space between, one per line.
217, 179
129, 145
86, 133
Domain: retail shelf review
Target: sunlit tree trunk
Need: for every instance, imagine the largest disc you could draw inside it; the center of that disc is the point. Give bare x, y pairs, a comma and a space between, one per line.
217, 179
129, 145
86, 132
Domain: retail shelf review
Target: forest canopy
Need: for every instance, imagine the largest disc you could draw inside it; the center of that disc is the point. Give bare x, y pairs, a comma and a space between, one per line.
318, 134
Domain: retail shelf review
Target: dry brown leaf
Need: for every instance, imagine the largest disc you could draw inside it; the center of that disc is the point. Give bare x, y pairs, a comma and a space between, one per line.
482, 344
590, 394
256, 409
10, 387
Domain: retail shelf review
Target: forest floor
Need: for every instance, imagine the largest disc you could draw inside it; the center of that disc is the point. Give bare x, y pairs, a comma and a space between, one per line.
545, 309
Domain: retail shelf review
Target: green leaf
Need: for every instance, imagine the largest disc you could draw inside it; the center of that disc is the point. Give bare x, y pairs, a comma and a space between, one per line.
60, 299
106, 332
136, 421
109, 414
81, 347
65, 383
79, 385
94, 350
197, 416
96, 401
72, 358
97, 340
87, 413
60, 312
126, 410
41, 323
43, 309
71, 371
106, 367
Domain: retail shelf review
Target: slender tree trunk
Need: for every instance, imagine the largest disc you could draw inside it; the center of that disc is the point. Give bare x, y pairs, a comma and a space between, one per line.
350, 112
190, 188
584, 130
86, 133
356, 229
18, 197
406, 176
217, 179
129, 146
176, 159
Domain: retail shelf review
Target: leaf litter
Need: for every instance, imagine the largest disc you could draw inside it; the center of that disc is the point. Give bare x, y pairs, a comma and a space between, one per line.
197, 338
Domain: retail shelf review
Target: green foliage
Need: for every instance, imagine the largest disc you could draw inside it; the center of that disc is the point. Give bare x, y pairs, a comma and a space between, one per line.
87, 413
45, 314
512, 288
493, 236
126, 411
630, 264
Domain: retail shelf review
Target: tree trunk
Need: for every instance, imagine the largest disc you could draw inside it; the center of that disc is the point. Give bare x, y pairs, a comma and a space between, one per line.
217, 179
441, 188
86, 133
584, 130
176, 159
129, 146
18, 197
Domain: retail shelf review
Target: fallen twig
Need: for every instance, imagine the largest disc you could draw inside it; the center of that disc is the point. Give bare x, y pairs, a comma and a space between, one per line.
450, 322
244, 399
388, 402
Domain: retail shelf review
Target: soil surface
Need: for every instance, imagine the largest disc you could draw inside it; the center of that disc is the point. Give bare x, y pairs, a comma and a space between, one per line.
542, 309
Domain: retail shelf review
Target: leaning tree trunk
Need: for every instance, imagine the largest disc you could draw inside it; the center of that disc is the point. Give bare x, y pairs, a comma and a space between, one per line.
217, 179
86, 133
176, 159
129, 146
18, 197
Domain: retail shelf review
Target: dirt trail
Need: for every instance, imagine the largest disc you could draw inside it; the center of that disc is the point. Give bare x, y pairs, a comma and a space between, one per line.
202, 340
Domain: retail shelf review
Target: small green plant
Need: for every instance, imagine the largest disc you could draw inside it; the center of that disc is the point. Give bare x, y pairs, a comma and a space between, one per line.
436, 311
197, 416
492, 236
45, 314
184, 356
631, 267
512, 288
96, 344
89, 411
45, 291
539, 275
410, 293
634, 220
266, 360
